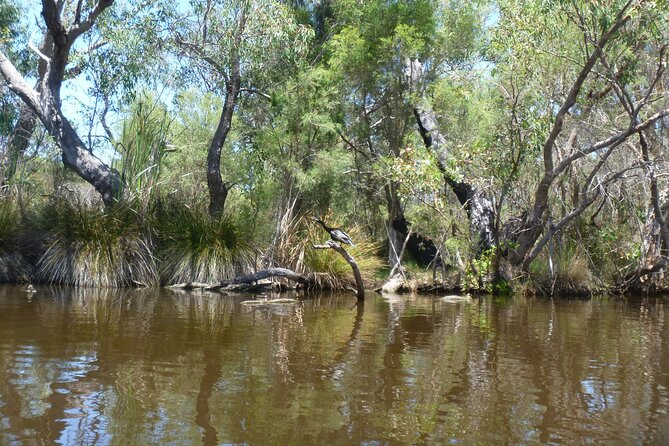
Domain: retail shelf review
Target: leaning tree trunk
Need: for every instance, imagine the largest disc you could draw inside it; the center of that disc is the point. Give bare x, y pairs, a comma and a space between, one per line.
479, 207
45, 100
218, 189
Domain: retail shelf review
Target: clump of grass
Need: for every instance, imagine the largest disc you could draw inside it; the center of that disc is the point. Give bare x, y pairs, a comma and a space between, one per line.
329, 269
195, 247
572, 275
88, 247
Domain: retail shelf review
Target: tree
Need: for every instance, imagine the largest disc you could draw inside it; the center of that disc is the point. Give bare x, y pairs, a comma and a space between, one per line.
236, 47
64, 28
600, 79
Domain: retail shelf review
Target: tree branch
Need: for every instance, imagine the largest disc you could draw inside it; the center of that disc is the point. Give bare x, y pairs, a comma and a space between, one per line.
79, 28
360, 286
18, 85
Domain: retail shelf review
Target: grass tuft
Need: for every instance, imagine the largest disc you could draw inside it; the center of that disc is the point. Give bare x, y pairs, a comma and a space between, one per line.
87, 247
572, 275
329, 269
197, 248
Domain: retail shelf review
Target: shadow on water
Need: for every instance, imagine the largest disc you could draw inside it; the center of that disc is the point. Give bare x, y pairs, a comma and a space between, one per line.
82, 366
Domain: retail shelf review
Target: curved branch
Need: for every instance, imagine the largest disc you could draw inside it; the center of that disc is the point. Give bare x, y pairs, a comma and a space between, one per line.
360, 287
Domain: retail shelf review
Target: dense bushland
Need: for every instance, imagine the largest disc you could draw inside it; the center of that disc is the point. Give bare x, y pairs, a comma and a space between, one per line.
478, 145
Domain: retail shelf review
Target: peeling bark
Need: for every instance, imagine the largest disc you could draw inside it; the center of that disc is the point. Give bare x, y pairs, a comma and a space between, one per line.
479, 207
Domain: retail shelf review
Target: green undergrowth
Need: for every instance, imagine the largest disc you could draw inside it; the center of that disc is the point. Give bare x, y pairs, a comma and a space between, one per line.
91, 247
194, 247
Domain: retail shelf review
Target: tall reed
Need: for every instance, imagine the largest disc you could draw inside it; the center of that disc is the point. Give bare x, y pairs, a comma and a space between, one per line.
142, 146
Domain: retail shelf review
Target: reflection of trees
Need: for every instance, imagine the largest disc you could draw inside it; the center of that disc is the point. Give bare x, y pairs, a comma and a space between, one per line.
86, 366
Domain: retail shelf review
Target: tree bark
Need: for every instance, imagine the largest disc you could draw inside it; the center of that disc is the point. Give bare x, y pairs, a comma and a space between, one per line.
44, 101
479, 207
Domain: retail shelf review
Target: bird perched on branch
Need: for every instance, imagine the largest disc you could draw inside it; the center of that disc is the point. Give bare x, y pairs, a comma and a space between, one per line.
335, 233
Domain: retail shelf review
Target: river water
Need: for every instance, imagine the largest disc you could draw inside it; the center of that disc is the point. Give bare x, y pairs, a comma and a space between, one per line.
161, 367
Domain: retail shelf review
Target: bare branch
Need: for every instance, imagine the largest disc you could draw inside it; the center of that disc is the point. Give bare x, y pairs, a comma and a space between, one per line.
613, 140
255, 91
79, 28
38, 52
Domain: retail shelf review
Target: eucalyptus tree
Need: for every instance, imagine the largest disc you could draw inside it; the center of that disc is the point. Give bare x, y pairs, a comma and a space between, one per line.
592, 78
235, 47
65, 23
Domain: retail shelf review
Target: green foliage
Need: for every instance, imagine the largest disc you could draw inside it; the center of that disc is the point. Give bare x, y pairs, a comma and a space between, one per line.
269, 42
87, 247
479, 270
193, 247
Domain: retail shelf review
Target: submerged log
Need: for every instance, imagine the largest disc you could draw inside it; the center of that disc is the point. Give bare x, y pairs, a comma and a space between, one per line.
264, 274
244, 283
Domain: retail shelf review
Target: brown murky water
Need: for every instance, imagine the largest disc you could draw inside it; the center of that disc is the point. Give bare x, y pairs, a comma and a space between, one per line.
158, 367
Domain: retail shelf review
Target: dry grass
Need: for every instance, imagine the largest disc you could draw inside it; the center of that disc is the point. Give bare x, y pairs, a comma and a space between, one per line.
572, 275
329, 270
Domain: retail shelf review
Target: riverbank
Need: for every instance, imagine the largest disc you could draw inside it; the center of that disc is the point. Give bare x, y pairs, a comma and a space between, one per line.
171, 242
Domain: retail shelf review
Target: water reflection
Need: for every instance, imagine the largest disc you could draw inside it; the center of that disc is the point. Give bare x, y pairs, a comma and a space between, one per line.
138, 367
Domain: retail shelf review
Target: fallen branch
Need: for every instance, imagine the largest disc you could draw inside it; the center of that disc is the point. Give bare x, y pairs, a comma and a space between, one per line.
264, 274
250, 281
360, 292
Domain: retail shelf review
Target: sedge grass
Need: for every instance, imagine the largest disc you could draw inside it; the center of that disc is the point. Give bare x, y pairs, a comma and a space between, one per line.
327, 267
194, 247
87, 247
